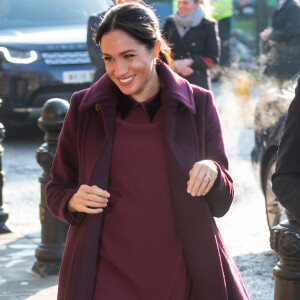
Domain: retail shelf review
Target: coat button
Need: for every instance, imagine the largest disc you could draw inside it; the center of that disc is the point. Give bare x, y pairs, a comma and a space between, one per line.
193, 44
98, 107
188, 53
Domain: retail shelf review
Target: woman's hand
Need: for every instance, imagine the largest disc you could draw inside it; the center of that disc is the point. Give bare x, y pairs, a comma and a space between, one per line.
187, 71
265, 35
183, 66
89, 199
202, 177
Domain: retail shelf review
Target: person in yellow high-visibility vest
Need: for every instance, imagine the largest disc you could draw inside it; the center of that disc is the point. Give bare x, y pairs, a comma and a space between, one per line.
174, 5
222, 11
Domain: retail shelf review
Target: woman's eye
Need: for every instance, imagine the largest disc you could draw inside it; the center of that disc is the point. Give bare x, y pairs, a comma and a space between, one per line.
107, 58
129, 55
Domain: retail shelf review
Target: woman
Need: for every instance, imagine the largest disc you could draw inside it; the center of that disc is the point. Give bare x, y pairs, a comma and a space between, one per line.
195, 42
140, 171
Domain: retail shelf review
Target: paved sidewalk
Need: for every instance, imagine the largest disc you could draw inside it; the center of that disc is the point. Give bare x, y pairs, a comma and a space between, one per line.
17, 281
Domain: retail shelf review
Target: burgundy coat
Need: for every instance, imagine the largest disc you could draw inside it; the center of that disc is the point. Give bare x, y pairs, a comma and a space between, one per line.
192, 133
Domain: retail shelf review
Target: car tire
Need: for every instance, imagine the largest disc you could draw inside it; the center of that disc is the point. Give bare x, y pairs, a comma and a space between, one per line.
275, 212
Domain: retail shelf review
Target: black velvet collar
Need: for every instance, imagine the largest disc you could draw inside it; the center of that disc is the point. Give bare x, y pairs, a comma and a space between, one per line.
126, 104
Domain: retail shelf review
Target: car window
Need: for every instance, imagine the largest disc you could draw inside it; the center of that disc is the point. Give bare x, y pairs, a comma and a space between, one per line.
34, 13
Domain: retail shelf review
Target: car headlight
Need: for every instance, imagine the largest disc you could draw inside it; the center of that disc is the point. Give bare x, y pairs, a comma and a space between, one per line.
19, 56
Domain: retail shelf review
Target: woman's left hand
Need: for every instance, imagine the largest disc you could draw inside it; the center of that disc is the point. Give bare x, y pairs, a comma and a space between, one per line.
202, 177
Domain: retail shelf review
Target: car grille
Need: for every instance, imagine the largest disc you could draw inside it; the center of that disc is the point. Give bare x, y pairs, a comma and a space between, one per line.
66, 58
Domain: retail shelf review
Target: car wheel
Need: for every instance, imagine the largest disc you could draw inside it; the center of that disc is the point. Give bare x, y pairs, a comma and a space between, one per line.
274, 210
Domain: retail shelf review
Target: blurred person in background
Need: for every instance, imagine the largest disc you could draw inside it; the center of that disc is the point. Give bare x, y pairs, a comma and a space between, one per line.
194, 41
222, 12
286, 179
93, 49
139, 173
283, 41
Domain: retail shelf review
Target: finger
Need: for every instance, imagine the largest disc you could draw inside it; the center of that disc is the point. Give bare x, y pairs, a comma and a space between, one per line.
95, 198
200, 183
92, 210
89, 207
197, 185
205, 184
96, 204
90, 189
193, 177
208, 188
97, 191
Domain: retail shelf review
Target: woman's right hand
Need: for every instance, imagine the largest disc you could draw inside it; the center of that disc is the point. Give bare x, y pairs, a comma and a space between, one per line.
89, 199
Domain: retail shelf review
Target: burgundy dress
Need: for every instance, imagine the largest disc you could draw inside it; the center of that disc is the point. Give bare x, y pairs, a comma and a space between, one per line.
140, 251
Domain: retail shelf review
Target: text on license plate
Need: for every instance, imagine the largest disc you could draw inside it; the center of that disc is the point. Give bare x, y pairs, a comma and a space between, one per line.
78, 76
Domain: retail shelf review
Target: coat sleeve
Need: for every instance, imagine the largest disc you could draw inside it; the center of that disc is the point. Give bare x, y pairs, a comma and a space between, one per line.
291, 28
220, 197
64, 171
212, 49
286, 179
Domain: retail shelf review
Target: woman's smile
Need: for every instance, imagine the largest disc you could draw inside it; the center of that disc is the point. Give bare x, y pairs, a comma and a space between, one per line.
127, 80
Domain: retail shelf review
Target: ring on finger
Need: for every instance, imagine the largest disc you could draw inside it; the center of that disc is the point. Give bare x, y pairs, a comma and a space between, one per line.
209, 177
86, 197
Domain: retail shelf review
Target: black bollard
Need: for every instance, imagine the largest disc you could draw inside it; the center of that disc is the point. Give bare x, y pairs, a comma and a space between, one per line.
3, 214
285, 241
53, 231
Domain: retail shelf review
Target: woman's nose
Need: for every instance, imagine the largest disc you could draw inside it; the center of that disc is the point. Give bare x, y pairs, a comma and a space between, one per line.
121, 68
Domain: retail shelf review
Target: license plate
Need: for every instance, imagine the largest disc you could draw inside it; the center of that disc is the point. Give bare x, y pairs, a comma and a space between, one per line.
78, 76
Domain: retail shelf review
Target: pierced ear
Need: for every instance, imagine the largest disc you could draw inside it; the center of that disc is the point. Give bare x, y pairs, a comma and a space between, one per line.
157, 48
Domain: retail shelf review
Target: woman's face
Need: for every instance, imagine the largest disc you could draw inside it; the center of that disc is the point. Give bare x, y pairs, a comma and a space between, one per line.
130, 65
185, 7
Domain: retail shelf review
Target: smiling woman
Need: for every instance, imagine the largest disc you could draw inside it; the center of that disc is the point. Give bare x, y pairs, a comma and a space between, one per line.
130, 65
140, 171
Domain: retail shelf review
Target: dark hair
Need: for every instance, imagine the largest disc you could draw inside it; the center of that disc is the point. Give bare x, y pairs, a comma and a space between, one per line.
139, 21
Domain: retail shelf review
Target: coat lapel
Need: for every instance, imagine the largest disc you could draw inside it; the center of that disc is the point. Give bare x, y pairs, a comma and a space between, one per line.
99, 126
193, 218
181, 138
98, 119
179, 110
99, 152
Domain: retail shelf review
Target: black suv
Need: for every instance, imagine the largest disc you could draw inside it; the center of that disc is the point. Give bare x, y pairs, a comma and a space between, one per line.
42, 54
